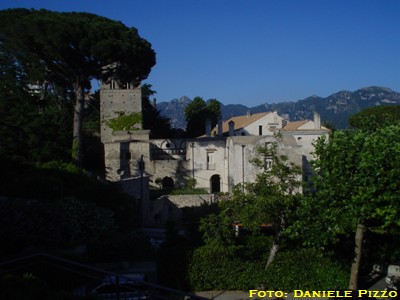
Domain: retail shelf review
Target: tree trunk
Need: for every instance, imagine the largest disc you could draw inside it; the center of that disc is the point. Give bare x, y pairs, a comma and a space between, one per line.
77, 127
276, 243
355, 267
272, 252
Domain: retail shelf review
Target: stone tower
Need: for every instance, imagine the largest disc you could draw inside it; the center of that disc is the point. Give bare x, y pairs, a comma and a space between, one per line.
117, 100
121, 130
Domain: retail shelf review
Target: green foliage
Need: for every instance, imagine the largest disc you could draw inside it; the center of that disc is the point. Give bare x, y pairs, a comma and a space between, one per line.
132, 121
63, 207
356, 182
29, 223
274, 193
217, 267
158, 181
188, 191
191, 183
172, 258
197, 105
32, 129
85, 221
271, 199
217, 228
75, 46
159, 126
305, 269
61, 224
67, 50
375, 117
355, 186
196, 114
61, 166
228, 262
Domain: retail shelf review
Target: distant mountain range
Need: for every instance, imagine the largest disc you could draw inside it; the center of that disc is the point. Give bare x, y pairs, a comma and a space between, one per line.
334, 109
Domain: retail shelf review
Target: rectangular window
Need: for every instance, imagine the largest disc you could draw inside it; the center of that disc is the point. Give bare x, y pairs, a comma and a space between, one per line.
260, 130
210, 161
268, 163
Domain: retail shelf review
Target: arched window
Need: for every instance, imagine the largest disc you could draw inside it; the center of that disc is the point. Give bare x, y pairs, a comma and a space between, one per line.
167, 183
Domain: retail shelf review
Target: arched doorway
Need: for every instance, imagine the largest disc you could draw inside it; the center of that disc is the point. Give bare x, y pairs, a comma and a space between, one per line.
215, 183
167, 183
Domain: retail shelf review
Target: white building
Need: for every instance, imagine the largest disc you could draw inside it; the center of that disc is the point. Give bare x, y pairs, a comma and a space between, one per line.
265, 123
218, 161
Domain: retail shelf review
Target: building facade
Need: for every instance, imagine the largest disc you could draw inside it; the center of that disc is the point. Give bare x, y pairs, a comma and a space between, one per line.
218, 161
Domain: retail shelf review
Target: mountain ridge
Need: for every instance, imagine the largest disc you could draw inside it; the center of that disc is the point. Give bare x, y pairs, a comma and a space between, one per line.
334, 109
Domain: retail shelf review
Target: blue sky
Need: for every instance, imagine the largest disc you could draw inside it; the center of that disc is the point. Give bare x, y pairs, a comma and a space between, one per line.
257, 51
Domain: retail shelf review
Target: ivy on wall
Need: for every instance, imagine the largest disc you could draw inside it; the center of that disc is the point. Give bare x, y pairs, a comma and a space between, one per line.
125, 122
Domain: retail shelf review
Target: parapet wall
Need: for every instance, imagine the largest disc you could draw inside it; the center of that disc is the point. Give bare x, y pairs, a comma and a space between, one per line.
171, 207
117, 102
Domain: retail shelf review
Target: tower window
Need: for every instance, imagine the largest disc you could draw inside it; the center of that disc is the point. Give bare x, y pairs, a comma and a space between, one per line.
128, 155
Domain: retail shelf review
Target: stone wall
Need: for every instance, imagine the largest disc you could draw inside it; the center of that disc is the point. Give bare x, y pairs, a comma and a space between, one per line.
171, 207
114, 102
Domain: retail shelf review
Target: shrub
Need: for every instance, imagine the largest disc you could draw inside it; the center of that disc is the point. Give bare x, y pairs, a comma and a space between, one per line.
191, 183
215, 266
62, 166
189, 192
305, 269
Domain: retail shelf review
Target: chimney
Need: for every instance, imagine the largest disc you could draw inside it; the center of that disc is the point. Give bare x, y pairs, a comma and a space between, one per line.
219, 126
248, 114
317, 121
208, 127
231, 128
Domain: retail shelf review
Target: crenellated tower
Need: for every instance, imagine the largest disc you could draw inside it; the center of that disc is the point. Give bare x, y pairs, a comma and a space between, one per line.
121, 124
117, 103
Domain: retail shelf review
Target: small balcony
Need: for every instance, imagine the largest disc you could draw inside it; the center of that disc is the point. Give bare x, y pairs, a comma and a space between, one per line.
210, 166
168, 154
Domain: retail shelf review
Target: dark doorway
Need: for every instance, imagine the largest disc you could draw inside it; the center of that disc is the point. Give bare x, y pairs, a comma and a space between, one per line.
215, 184
167, 183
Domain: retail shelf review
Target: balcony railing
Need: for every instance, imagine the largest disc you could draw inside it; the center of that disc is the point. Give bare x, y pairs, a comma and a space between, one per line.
68, 278
210, 166
159, 154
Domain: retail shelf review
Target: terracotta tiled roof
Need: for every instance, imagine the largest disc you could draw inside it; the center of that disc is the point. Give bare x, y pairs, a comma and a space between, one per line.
294, 125
241, 121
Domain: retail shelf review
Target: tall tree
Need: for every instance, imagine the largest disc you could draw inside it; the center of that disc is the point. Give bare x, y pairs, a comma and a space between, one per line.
269, 200
356, 186
159, 126
374, 117
196, 114
71, 49
33, 127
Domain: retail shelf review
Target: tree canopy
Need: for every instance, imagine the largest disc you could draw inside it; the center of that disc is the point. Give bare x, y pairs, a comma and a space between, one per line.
243, 238
196, 114
268, 200
375, 117
33, 128
159, 126
71, 49
355, 187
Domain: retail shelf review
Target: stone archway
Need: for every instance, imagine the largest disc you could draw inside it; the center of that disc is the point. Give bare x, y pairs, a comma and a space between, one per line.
215, 184
167, 183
